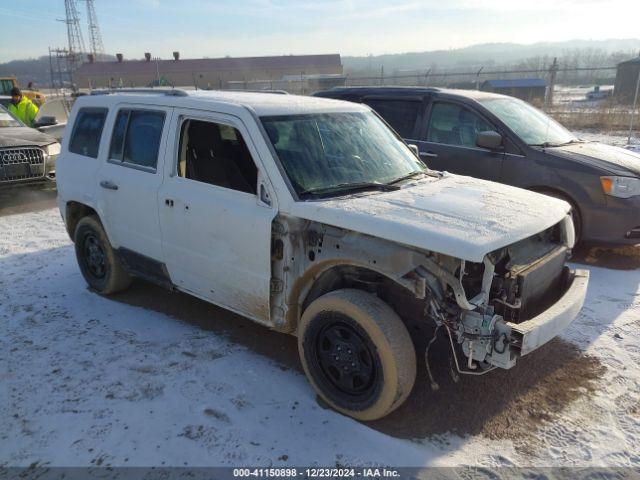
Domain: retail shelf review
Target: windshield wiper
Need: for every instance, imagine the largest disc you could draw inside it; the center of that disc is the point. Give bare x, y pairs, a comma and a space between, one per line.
350, 188
406, 177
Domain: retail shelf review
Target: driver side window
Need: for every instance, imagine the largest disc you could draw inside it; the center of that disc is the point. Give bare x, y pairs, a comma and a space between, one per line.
216, 154
453, 124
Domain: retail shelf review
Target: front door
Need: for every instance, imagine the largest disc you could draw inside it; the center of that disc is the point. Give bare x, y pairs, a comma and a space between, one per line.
216, 232
448, 142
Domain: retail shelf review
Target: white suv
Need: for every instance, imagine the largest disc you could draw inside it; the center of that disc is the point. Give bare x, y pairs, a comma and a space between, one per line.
312, 217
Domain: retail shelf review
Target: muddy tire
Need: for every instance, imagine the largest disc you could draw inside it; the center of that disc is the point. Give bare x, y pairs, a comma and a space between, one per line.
357, 353
99, 264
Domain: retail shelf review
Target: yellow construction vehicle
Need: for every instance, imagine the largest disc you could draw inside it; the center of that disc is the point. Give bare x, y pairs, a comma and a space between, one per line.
7, 83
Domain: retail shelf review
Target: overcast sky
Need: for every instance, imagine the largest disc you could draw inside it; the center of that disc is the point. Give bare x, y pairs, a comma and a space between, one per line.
216, 28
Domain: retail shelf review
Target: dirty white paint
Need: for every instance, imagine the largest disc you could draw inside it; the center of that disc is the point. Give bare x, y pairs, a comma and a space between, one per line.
458, 216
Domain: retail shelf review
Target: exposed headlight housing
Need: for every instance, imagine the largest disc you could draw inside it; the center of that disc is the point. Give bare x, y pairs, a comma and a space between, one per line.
621, 187
53, 149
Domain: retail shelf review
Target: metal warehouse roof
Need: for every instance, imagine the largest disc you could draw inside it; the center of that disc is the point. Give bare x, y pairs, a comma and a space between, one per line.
145, 67
517, 83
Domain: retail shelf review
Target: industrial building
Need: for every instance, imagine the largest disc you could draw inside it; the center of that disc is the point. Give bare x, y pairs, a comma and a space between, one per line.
627, 80
532, 90
206, 73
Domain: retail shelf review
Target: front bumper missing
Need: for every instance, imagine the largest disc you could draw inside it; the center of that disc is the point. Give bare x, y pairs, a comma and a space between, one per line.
523, 338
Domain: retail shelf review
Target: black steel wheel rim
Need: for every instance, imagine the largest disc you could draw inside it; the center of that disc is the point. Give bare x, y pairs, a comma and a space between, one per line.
94, 256
344, 358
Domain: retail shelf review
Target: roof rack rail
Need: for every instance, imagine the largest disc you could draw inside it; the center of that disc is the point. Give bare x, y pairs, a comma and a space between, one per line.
174, 92
277, 92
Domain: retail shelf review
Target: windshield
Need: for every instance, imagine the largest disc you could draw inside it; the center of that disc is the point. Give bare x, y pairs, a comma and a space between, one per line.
7, 120
328, 153
530, 124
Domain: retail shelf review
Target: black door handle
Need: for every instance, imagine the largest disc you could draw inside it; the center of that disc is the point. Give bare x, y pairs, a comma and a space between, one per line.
109, 185
168, 202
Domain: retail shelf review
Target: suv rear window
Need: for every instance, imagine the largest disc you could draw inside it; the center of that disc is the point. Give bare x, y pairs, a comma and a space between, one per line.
87, 131
136, 137
400, 114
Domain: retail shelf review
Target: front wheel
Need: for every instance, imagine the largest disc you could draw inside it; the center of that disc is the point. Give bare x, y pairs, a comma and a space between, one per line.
357, 353
575, 213
99, 264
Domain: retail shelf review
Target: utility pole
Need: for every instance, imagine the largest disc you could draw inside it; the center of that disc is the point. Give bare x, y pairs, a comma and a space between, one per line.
478, 78
553, 70
633, 109
97, 48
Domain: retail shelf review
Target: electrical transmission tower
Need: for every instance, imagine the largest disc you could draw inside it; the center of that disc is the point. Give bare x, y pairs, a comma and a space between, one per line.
74, 34
97, 48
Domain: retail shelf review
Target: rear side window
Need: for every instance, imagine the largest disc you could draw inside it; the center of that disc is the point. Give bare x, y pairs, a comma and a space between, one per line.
136, 137
402, 115
87, 131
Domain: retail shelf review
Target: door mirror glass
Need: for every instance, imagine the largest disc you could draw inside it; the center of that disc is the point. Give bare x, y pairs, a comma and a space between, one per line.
490, 140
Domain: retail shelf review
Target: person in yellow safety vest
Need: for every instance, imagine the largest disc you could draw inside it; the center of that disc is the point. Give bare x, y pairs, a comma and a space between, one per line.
22, 108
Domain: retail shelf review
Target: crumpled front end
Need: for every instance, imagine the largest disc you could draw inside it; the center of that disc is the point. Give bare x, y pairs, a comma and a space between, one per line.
518, 299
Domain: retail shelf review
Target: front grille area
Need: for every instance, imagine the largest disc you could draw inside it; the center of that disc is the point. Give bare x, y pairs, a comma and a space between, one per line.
21, 163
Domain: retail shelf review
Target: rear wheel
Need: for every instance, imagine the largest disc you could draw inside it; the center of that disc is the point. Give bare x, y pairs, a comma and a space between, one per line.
357, 353
98, 262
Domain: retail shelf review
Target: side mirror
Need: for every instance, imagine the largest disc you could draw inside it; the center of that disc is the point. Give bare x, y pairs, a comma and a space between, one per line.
414, 149
45, 121
264, 195
490, 140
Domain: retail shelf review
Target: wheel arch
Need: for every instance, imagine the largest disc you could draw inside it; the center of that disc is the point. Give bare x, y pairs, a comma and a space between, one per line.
74, 212
336, 275
558, 193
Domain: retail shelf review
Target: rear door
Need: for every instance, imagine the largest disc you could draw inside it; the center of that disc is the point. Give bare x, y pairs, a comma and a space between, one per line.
404, 114
216, 229
130, 179
78, 165
447, 142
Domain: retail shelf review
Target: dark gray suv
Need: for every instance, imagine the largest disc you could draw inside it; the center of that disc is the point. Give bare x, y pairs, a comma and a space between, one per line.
506, 140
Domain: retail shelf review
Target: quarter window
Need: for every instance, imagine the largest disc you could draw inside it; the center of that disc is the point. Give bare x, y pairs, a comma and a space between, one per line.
87, 131
217, 154
453, 124
400, 114
136, 137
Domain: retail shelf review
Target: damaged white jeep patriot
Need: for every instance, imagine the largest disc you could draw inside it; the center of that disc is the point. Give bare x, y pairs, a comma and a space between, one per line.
312, 217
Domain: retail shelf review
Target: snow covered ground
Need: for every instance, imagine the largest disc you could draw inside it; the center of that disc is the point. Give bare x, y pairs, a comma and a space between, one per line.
88, 380
616, 138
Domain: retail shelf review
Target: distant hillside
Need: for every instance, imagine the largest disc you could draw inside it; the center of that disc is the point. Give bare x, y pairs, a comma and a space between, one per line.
35, 70
574, 52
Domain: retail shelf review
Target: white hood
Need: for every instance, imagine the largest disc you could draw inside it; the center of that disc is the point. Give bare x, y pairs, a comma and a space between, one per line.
458, 216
